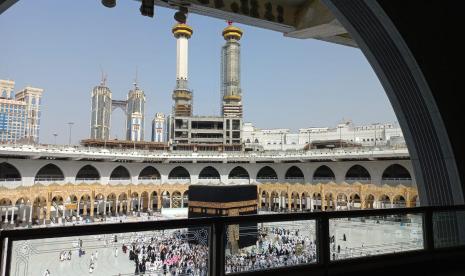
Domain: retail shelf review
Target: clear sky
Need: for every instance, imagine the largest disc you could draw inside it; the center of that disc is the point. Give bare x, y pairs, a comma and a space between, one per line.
60, 46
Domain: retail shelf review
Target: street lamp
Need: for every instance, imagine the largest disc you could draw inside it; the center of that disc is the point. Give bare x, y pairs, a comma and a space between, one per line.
55, 138
70, 128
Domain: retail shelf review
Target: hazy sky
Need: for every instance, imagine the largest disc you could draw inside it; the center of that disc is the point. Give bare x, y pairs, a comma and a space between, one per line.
60, 46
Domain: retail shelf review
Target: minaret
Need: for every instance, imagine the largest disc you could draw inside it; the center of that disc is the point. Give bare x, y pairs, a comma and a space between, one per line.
231, 72
182, 96
101, 111
136, 114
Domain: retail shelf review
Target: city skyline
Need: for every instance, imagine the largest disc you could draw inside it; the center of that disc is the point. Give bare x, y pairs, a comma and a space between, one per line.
321, 93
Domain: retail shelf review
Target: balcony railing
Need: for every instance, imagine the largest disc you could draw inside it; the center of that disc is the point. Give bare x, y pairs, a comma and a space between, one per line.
299, 241
363, 180
323, 179
397, 181
10, 180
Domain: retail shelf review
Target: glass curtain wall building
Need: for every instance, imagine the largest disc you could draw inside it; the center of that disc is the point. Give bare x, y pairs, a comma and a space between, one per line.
19, 114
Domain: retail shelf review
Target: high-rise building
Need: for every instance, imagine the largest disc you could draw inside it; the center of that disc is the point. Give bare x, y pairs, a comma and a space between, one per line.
32, 97
135, 114
101, 112
12, 114
158, 127
7, 89
231, 93
182, 96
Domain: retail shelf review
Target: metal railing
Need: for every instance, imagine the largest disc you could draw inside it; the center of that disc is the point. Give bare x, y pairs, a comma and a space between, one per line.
433, 221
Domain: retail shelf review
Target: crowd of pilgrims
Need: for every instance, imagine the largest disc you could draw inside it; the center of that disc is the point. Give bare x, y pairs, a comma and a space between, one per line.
275, 247
167, 254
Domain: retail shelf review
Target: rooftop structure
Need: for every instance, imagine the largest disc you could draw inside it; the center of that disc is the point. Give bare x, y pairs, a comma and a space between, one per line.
102, 150
206, 130
123, 144
378, 134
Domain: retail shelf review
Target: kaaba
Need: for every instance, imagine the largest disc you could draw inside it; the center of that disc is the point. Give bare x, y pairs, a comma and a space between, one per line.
230, 200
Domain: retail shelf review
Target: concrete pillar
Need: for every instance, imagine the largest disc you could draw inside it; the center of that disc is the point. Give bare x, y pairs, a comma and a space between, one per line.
139, 203
6, 215
92, 202
48, 211
171, 201
64, 211
12, 214
77, 209
182, 201
24, 213
30, 212
104, 207
116, 206
159, 203
289, 202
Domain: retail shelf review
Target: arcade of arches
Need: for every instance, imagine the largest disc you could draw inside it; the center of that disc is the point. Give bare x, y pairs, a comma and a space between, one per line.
39, 204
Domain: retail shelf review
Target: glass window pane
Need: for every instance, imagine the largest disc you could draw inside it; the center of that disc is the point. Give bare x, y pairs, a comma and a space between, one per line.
368, 236
164, 252
269, 245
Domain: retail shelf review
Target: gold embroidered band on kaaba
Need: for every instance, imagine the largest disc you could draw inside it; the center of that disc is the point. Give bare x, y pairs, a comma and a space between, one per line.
223, 205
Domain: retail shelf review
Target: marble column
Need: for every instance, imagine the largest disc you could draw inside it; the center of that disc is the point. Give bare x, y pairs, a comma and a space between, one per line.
30, 212
24, 213
116, 207
92, 206
6, 215
12, 214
